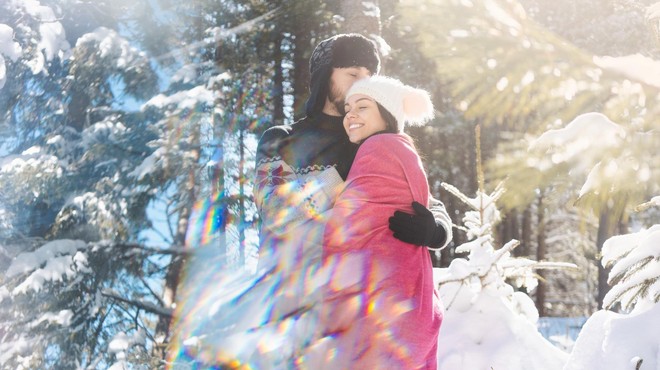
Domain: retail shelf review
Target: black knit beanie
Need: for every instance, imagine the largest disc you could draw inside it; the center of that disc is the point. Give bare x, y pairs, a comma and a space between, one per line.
340, 51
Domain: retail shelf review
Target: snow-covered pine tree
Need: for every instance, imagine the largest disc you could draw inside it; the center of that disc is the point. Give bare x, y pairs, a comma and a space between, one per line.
483, 310
75, 277
83, 289
604, 341
634, 260
175, 172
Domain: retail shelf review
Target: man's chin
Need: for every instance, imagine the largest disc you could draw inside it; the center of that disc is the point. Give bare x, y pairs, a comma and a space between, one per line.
340, 108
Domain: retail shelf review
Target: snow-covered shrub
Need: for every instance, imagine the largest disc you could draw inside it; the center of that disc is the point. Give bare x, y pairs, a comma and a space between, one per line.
606, 338
487, 323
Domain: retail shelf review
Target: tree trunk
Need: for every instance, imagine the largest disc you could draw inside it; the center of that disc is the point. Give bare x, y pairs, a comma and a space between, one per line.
300, 71
526, 233
360, 17
77, 110
609, 223
241, 198
511, 229
162, 332
603, 235
278, 82
218, 189
540, 256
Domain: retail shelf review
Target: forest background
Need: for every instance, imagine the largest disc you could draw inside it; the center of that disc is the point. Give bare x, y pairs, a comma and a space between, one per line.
121, 119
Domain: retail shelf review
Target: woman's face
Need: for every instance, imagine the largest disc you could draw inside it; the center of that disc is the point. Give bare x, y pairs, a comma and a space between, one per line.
362, 118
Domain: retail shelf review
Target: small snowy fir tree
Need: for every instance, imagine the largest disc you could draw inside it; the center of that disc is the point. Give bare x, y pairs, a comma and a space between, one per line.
605, 340
487, 323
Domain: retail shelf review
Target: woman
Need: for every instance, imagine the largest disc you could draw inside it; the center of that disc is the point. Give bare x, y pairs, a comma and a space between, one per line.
381, 305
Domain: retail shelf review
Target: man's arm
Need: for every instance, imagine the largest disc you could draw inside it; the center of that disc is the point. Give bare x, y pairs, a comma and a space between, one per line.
283, 198
443, 220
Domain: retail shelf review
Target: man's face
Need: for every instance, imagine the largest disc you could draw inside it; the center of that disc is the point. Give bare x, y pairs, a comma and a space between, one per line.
341, 80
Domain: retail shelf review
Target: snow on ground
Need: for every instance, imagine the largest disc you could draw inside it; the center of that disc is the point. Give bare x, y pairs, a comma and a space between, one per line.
490, 330
611, 341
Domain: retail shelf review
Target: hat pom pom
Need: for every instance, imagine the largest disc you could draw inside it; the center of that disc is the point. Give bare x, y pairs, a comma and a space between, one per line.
417, 106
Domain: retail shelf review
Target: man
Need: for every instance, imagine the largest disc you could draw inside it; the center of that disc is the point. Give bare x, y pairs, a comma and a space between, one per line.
271, 319
301, 168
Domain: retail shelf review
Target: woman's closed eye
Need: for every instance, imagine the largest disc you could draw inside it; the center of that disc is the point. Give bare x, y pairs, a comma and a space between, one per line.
348, 109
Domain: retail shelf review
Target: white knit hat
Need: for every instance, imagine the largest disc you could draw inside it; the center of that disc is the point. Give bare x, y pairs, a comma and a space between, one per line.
406, 103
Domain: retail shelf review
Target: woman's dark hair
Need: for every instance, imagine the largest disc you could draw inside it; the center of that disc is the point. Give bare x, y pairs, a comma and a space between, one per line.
391, 125
390, 122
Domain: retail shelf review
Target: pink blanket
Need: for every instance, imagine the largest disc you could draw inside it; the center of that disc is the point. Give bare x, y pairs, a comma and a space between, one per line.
383, 308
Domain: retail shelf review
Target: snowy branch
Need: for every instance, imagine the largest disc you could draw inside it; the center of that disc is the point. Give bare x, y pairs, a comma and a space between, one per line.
654, 202
153, 294
176, 250
481, 273
147, 306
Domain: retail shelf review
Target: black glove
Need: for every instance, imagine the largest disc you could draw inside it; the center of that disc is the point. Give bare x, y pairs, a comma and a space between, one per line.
418, 229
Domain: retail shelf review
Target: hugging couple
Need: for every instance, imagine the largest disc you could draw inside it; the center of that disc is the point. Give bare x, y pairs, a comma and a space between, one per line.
343, 193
